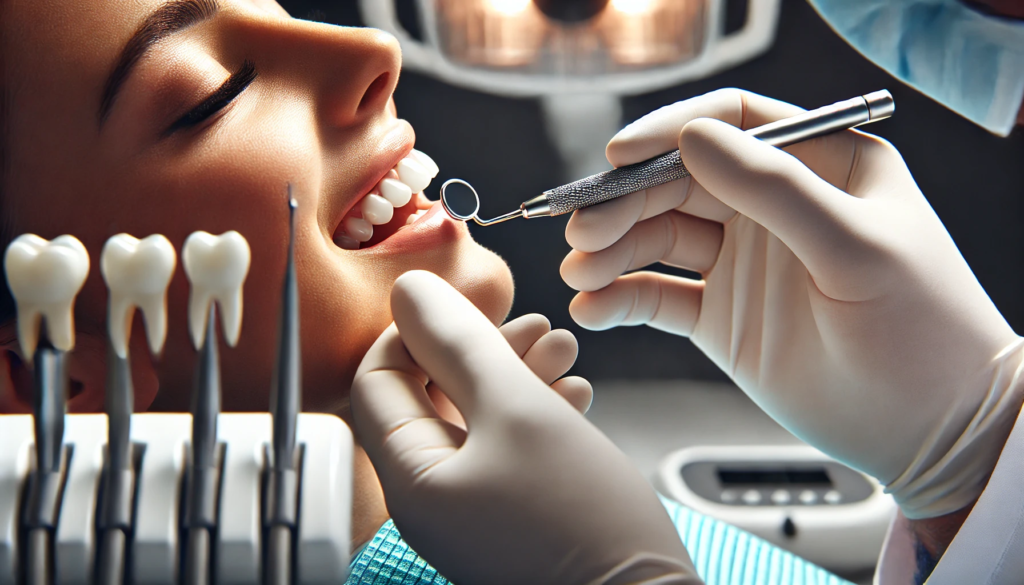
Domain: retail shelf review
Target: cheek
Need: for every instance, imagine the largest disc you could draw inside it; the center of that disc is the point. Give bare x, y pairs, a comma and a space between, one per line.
346, 306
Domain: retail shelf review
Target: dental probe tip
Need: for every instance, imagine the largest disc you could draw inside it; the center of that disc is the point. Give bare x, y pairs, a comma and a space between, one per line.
286, 391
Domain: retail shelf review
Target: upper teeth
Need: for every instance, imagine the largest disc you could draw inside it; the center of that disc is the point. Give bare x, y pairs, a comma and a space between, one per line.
216, 266
137, 273
44, 277
411, 175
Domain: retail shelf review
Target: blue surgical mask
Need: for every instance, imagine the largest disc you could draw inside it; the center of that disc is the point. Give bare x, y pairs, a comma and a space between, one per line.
971, 63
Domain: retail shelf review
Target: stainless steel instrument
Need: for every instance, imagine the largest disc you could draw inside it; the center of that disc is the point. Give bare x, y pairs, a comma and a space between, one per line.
668, 167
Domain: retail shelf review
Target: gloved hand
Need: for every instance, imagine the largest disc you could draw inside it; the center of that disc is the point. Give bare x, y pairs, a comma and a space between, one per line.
530, 491
549, 354
831, 293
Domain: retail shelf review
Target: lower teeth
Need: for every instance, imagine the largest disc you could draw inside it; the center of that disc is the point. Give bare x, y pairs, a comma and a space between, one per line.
346, 242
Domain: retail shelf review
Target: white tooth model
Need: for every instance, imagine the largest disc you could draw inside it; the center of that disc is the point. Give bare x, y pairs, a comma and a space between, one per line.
137, 273
44, 277
216, 266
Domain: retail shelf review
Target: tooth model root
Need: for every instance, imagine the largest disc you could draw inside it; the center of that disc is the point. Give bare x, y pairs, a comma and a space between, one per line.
122, 310
396, 192
377, 210
413, 174
230, 306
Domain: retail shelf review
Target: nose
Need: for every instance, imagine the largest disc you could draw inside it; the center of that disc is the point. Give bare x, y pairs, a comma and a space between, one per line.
351, 72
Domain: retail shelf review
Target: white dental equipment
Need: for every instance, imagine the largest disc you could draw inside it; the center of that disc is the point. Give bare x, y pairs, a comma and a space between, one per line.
45, 277
791, 495
140, 498
462, 202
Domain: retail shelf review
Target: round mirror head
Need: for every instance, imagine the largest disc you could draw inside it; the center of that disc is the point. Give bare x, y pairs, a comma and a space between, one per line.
460, 200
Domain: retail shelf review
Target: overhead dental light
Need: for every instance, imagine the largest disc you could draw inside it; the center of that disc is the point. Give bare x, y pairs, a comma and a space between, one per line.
579, 56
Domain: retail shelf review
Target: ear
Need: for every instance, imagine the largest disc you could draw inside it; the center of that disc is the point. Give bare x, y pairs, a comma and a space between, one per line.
87, 373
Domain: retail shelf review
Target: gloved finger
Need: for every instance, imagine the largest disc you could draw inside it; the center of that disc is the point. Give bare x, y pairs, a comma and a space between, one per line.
577, 391
552, 355
455, 344
674, 238
389, 353
664, 302
826, 228
831, 157
444, 406
522, 332
595, 228
658, 132
394, 418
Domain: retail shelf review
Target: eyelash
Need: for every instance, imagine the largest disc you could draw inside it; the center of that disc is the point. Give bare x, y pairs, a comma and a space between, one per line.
220, 98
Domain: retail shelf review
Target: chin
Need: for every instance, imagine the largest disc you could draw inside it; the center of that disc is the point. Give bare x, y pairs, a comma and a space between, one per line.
485, 279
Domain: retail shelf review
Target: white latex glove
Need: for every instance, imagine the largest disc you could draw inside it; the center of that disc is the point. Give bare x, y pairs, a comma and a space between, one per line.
530, 491
831, 293
549, 354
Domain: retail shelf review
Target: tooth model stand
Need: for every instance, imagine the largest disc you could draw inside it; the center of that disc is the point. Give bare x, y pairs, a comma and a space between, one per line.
107, 496
137, 274
216, 268
45, 278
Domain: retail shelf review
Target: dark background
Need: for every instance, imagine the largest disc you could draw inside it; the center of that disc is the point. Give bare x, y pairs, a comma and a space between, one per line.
975, 181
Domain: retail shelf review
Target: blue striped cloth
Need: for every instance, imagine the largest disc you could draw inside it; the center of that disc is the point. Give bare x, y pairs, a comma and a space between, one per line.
721, 553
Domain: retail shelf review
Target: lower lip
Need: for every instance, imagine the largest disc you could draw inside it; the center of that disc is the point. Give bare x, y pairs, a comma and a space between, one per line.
431, 230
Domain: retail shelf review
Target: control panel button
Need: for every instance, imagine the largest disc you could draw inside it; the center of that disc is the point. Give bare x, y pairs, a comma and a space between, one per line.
752, 497
833, 497
808, 497
781, 497
728, 496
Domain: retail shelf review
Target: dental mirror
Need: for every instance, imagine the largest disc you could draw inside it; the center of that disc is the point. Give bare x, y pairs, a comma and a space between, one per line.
462, 203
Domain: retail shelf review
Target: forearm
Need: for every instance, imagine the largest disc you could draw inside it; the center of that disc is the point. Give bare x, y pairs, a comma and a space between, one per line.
932, 536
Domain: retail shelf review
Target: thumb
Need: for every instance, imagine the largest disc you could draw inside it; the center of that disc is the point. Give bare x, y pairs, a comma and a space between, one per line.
825, 227
454, 343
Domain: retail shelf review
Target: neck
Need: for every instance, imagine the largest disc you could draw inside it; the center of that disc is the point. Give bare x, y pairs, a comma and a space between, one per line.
368, 509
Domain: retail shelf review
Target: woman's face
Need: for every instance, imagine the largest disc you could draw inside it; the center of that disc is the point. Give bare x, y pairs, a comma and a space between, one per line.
170, 152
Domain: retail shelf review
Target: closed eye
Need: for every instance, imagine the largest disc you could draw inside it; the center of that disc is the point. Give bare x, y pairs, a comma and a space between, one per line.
220, 98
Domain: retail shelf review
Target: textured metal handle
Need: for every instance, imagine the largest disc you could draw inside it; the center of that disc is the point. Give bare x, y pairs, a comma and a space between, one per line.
616, 183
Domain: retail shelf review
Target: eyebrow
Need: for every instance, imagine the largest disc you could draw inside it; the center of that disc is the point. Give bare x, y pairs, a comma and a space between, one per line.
172, 17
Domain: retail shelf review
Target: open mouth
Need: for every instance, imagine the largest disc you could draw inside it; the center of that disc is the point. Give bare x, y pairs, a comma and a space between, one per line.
395, 202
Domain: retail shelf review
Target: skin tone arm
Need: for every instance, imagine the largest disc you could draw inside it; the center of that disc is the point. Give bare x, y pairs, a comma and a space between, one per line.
932, 537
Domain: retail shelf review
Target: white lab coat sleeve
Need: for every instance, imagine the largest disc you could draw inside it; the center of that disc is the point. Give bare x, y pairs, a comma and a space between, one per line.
988, 549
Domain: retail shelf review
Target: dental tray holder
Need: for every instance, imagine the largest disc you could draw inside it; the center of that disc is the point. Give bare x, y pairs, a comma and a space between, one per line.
160, 444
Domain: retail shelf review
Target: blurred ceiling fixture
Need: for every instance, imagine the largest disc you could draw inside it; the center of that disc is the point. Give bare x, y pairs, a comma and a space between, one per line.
578, 56
545, 47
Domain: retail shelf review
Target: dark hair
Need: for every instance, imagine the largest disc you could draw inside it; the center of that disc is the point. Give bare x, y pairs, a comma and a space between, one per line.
7, 308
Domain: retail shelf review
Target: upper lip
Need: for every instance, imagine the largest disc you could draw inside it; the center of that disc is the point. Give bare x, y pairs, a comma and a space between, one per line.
391, 153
